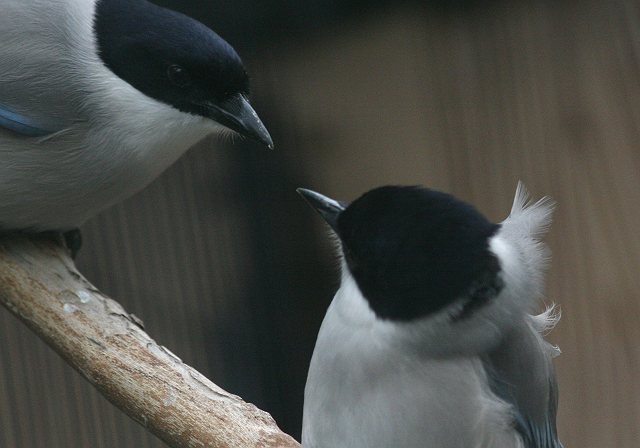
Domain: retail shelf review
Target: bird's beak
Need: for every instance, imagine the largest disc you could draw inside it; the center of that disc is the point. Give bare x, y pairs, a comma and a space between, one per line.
328, 208
237, 114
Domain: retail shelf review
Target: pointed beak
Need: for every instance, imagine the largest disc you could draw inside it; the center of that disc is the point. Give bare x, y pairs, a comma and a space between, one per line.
237, 114
328, 208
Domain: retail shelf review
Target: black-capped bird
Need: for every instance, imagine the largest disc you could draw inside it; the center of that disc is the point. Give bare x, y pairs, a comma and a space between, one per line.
98, 97
430, 342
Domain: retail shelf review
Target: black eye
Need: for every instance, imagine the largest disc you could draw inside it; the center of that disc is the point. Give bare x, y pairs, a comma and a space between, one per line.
179, 76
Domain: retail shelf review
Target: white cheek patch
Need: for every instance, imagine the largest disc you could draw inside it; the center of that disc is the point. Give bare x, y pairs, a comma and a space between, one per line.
504, 252
355, 304
518, 291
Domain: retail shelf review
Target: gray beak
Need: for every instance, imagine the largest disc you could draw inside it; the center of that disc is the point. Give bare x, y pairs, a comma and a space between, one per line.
237, 114
328, 208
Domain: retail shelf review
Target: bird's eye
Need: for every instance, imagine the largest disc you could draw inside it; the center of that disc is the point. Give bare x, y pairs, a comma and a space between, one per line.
178, 76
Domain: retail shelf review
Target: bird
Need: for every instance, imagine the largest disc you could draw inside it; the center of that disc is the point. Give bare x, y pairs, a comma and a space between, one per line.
432, 339
98, 97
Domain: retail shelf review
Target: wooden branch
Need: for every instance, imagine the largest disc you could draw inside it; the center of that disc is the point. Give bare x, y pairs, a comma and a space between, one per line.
40, 284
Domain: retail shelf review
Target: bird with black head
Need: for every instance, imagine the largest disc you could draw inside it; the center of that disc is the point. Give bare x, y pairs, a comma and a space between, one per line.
431, 339
98, 97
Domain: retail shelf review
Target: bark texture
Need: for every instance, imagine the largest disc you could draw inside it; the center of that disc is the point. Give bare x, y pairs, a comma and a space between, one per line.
108, 346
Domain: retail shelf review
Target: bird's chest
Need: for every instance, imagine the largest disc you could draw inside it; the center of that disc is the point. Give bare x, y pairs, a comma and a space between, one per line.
60, 182
138, 150
358, 397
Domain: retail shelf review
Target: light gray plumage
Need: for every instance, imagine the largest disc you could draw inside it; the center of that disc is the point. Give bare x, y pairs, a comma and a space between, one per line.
75, 137
485, 381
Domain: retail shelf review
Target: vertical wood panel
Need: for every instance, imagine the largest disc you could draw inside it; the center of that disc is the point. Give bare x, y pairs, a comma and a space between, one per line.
546, 92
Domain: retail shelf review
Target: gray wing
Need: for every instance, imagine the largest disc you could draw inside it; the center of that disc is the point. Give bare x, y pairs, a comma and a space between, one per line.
521, 373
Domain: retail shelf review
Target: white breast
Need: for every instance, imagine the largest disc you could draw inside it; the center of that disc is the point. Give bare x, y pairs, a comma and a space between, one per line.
363, 391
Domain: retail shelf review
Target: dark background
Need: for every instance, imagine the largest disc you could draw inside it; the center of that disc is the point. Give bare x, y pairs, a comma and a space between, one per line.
230, 270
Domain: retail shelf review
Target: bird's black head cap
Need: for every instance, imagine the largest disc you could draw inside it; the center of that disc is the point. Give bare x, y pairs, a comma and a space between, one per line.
413, 251
176, 60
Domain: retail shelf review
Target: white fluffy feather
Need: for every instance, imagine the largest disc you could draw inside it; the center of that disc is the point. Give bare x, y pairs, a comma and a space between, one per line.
527, 218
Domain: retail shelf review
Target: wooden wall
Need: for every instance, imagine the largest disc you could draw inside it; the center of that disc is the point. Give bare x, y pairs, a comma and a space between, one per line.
232, 272
546, 92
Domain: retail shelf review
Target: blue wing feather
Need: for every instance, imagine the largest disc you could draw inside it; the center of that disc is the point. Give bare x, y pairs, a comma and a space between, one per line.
21, 124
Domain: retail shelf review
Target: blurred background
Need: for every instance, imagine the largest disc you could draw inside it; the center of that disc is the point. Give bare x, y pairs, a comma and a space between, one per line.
233, 272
